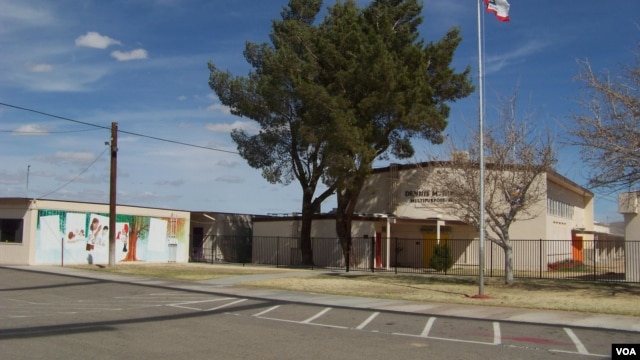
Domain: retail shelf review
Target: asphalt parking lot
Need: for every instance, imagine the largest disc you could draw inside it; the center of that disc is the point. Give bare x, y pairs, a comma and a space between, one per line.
72, 316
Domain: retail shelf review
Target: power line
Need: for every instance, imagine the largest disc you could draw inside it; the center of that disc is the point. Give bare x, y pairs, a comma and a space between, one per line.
121, 131
52, 115
177, 142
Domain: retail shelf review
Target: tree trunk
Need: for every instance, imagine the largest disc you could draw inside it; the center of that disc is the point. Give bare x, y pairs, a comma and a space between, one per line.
344, 217
306, 248
508, 264
343, 230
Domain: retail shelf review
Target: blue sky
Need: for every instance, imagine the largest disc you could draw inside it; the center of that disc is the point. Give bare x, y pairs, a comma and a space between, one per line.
143, 64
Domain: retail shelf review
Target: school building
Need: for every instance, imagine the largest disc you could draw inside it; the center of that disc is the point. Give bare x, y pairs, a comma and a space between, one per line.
405, 202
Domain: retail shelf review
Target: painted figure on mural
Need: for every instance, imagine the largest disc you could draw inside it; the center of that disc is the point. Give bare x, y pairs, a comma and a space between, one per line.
124, 236
103, 239
94, 230
76, 236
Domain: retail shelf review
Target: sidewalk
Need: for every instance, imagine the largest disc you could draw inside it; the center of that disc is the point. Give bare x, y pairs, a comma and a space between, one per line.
232, 286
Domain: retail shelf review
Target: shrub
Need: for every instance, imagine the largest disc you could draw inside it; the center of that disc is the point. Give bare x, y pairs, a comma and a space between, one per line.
441, 259
567, 264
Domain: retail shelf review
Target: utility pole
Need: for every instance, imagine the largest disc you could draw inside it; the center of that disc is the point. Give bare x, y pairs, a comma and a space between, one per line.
112, 193
481, 293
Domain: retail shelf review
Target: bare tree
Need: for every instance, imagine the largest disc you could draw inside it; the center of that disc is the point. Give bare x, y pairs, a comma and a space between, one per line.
516, 160
608, 132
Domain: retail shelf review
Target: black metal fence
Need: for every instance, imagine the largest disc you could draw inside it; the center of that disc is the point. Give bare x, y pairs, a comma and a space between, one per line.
578, 259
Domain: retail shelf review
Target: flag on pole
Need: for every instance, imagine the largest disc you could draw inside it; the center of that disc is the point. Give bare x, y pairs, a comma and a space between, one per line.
498, 7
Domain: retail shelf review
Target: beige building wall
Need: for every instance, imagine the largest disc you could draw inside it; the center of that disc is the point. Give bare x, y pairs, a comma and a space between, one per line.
401, 201
277, 241
410, 195
18, 253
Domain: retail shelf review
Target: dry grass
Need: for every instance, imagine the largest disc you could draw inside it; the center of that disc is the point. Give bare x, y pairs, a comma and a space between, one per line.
189, 272
604, 298
618, 299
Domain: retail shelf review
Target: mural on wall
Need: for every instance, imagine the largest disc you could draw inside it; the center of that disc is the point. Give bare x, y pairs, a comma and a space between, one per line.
83, 238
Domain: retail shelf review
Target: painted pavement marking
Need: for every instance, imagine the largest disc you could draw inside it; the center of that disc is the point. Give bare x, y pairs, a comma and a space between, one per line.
266, 311
427, 327
497, 337
577, 342
309, 320
368, 320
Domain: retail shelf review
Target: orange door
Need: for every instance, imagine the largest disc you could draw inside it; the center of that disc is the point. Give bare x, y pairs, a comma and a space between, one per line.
576, 245
428, 245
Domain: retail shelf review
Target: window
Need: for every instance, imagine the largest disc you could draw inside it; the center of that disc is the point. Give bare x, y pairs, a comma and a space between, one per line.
11, 230
559, 208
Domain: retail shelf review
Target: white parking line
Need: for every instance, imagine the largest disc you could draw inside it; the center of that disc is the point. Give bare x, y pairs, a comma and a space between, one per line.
316, 316
427, 328
182, 304
266, 311
366, 322
225, 305
497, 337
444, 339
577, 342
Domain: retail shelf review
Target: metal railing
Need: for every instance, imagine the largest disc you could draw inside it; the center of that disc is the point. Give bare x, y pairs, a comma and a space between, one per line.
591, 260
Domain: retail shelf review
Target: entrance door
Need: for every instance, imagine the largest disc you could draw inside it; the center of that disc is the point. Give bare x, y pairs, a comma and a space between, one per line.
576, 247
429, 241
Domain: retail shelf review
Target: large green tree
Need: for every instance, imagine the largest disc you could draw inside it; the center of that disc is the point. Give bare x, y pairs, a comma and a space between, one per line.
391, 86
332, 97
283, 95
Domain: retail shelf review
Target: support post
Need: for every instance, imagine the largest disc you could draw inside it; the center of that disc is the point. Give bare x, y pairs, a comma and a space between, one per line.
112, 193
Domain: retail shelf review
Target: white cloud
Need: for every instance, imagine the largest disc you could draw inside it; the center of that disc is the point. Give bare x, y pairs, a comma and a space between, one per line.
227, 164
81, 158
136, 54
248, 126
13, 178
219, 108
230, 179
23, 14
41, 68
93, 39
63, 79
31, 129
182, 98
498, 62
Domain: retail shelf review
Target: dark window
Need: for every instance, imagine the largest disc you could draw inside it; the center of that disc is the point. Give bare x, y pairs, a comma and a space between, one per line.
11, 230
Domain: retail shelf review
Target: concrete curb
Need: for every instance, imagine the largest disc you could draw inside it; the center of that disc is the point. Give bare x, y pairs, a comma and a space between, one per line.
232, 286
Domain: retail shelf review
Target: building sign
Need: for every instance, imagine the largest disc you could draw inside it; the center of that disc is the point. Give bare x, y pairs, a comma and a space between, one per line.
425, 197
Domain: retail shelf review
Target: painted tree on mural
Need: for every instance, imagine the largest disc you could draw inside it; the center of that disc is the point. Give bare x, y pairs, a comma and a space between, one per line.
139, 228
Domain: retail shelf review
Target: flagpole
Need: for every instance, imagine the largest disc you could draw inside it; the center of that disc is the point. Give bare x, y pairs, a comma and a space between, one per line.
481, 132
